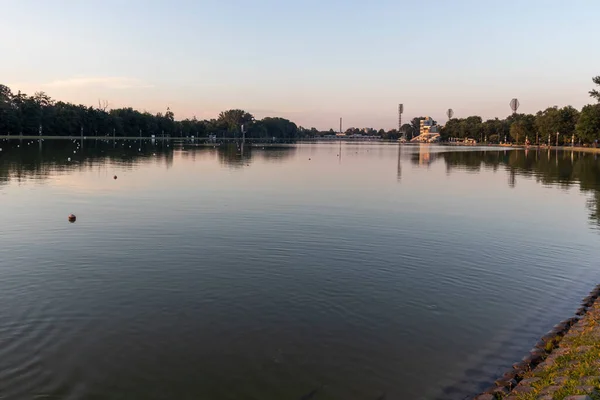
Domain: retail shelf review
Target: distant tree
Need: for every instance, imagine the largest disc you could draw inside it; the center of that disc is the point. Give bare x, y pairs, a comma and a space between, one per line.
390, 135
416, 126
522, 126
451, 129
553, 120
232, 120
280, 128
495, 130
407, 130
595, 93
473, 127
588, 125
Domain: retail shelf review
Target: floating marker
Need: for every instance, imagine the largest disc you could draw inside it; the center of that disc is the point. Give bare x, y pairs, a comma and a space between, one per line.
115, 177
72, 218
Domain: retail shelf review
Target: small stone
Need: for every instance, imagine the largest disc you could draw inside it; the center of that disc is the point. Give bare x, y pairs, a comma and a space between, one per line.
520, 366
486, 396
586, 379
537, 357
527, 359
509, 383
586, 388
578, 397
500, 390
560, 351
509, 374
545, 397
529, 381
583, 349
548, 337
561, 380
550, 390
523, 389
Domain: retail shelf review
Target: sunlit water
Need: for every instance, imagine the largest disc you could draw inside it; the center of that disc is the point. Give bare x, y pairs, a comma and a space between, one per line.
420, 272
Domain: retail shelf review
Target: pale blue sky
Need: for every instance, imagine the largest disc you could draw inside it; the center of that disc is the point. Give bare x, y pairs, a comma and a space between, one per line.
307, 60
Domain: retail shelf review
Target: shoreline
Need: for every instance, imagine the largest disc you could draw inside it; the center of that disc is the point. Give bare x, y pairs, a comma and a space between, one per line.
254, 143
564, 362
580, 149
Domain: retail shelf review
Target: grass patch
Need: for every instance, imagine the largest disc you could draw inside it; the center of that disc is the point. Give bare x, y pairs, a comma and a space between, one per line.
576, 364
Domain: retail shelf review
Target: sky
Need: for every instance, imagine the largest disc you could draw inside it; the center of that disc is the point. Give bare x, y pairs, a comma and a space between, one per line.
311, 61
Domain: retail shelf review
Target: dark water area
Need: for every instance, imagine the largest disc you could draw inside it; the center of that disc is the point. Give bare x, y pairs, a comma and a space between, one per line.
421, 272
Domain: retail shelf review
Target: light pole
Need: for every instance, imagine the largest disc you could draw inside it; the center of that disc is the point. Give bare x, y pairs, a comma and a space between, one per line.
557, 138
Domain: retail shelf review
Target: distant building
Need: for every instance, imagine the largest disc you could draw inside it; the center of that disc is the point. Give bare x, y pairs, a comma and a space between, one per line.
427, 126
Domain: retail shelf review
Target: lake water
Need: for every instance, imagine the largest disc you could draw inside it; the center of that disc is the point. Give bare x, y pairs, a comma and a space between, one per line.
421, 272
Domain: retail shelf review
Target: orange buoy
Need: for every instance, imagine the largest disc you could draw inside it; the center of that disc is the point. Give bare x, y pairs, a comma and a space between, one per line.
72, 218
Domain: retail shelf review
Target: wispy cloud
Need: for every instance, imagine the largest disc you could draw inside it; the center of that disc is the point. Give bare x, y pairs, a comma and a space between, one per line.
109, 82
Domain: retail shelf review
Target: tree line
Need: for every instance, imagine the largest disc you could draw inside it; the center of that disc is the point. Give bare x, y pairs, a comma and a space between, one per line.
570, 124
39, 114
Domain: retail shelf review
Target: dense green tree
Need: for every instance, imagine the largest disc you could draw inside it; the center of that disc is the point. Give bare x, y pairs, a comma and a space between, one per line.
232, 120
496, 130
522, 127
280, 128
595, 93
463, 128
553, 120
416, 126
390, 135
407, 130
588, 125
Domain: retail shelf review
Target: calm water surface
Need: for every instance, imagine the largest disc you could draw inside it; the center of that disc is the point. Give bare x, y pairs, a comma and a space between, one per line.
421, 272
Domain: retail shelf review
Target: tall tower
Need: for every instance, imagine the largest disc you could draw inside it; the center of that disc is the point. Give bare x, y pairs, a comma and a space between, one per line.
400, 111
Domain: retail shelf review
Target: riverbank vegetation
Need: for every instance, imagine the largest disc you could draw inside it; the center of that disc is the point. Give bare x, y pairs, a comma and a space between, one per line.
21, 114
39, 114
552, 125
